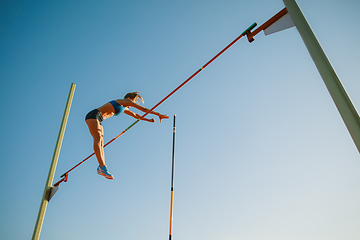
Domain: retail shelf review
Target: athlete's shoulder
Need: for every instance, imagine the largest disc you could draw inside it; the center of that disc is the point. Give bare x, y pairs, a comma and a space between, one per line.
124, 102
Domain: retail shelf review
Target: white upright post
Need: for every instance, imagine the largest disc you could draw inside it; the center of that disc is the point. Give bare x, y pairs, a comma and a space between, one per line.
50, 178
338, 93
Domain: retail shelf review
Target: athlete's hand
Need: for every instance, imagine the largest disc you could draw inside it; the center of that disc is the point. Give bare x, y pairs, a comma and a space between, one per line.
161, 117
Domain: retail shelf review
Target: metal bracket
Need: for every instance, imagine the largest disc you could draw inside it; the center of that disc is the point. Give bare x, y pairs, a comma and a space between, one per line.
248, 33
56, 186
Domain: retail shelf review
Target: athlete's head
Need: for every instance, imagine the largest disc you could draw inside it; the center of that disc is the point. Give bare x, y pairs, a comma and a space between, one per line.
134, 96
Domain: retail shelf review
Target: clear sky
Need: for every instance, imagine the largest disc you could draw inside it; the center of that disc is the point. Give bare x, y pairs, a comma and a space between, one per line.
261, 150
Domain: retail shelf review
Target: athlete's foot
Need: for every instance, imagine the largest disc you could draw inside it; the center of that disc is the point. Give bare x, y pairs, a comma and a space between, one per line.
103, 171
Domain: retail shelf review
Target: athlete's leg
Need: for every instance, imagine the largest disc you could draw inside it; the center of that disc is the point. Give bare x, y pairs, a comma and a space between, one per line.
102, 145
97, 132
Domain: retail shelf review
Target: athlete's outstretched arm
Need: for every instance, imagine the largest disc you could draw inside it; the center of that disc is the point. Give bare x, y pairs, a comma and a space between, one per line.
137, 116
144, 109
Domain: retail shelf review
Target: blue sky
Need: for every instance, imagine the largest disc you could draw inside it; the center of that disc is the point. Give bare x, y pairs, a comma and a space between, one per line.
261, 150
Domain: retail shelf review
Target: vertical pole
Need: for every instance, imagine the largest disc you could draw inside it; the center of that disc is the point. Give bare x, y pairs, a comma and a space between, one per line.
172, 181
342, 101
50, 178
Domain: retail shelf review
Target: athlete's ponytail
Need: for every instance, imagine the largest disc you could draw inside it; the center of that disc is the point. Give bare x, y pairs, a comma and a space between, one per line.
134, 96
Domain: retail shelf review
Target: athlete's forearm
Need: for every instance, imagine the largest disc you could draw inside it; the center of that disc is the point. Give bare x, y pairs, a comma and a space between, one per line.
144, 119
151, 112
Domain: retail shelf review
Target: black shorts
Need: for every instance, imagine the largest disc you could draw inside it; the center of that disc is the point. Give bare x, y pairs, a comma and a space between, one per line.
95, 114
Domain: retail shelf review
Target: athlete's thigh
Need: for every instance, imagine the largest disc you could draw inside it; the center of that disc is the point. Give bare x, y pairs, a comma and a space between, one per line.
95, 128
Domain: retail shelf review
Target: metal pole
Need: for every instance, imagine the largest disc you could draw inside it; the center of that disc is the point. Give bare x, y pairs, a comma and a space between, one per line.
172, 181
44, 200
338, 93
